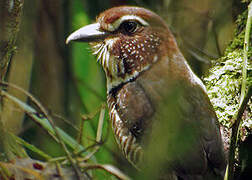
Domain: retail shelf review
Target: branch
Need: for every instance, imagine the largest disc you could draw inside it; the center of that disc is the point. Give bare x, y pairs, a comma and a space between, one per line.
234, 136
243, 99
10, 19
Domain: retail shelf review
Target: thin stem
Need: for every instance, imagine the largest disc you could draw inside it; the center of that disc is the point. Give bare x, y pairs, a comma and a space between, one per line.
98, 134
234, 136
245, 53
50, 120
243, 99
109, 168
100, 124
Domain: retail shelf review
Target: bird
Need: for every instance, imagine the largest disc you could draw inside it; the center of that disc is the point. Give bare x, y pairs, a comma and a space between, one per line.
160, 113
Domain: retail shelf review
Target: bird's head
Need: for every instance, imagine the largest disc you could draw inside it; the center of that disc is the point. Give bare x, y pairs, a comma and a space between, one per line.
127, 41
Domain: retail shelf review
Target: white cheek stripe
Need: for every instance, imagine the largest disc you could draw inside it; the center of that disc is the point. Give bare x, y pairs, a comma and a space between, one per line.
118, 22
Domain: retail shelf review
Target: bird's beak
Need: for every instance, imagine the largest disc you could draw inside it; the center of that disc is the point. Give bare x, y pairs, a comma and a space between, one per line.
89, 33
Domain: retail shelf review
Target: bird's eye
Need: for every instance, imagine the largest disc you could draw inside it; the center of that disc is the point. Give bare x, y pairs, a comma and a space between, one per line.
129, 26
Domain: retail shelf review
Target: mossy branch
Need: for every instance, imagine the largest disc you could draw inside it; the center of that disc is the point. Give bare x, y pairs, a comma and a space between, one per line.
9, 22
10, 18
244, 98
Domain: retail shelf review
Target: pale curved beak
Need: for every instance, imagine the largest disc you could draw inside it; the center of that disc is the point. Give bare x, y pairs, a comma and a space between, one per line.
88, 33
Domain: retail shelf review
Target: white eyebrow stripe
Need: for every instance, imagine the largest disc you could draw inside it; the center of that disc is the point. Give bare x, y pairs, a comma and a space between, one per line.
117, 23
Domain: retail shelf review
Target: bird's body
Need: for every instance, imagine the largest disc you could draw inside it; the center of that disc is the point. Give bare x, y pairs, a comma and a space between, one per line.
160, 113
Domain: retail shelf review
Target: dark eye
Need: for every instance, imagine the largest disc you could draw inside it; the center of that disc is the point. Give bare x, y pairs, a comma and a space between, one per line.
129, 26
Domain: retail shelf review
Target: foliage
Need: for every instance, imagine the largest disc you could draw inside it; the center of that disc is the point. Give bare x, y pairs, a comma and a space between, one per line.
225, 78
239, 33
224, 83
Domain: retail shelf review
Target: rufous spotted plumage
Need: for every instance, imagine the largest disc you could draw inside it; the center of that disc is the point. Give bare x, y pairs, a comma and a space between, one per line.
156, 103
